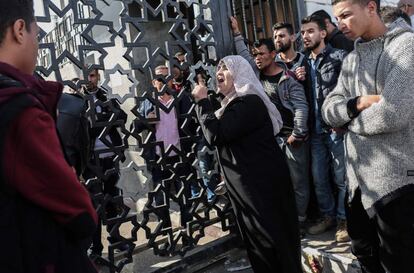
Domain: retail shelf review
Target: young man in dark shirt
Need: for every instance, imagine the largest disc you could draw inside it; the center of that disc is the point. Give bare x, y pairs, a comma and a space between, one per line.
335, 37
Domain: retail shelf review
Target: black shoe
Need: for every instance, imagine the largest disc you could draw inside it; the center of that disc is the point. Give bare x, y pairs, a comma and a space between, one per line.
221, 188
121, 248
201, 207
302, 229
163, 250
95, 257
94, 253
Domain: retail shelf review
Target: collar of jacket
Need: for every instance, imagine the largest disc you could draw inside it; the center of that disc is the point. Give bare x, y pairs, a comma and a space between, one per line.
279, 59
282, 65
100, 94
333, 34
7, 82
285, 74
326, 51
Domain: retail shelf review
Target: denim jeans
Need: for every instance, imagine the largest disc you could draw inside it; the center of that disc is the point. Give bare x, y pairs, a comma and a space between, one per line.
327, 151
208, 173
298, 163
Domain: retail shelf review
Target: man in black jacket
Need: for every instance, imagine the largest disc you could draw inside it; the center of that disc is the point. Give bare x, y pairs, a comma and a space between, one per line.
335, 37
107, 149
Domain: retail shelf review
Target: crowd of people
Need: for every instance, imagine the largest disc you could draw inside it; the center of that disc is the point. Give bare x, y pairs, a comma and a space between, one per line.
343, 126
329, 125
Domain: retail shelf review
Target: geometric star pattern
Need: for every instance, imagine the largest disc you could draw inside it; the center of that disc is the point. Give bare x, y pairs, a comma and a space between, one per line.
130, 38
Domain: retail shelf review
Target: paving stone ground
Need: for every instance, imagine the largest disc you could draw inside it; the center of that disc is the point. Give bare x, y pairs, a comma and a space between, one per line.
334, 257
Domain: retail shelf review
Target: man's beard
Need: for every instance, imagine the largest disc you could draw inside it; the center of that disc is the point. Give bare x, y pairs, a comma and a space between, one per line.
317, 43
91, 88
284, 47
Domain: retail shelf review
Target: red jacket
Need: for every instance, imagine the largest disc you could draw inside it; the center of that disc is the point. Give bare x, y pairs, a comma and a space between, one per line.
33, 161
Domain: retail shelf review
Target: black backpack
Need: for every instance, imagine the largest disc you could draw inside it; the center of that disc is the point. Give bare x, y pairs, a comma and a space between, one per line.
73, 128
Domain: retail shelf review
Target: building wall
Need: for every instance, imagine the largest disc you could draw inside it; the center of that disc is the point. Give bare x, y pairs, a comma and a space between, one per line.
256, 18
314, 5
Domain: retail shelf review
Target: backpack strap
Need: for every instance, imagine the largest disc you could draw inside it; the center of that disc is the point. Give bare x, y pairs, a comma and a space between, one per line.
6, 82
9, 110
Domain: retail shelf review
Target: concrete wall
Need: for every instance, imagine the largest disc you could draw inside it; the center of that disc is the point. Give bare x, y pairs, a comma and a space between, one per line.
314, 5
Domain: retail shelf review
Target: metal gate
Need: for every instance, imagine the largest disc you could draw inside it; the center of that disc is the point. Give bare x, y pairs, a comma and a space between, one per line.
257, 17
125, 40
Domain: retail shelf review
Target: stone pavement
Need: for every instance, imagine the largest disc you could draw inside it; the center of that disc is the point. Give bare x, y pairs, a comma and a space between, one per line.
320, 254
142, 264
146, 261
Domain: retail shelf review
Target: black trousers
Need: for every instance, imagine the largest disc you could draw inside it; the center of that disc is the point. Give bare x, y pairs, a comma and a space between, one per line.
108, 186
384, 243
175, 174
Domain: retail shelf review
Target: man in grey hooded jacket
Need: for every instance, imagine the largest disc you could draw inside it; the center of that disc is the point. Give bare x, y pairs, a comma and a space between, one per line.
289, 97
374, 100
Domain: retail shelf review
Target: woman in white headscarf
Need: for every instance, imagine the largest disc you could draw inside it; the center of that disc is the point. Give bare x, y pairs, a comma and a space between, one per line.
255, 171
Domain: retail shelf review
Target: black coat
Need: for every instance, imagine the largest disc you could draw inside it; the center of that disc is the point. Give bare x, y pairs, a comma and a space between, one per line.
258, 182
103, 118
338, 40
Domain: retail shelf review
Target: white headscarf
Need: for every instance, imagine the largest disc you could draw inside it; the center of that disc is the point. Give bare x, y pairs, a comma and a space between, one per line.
246, 83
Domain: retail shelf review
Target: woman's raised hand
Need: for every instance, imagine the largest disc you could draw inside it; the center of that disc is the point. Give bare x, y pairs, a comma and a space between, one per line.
199, 92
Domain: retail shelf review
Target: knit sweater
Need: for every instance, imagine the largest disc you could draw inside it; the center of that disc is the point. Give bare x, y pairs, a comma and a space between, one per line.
379, 143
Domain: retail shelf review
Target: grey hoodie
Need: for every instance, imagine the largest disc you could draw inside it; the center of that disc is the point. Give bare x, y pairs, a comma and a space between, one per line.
290, 92
379, 144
